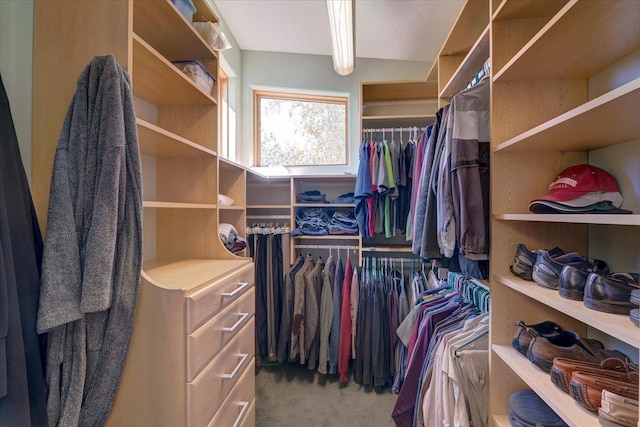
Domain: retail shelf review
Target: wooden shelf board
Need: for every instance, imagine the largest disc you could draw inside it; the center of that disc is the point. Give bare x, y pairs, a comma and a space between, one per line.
574, 130
555, 53
419, 120
402, 90
231, 208
525, 9
470, 65
540, 382
204, 12
399, 249
229, 164
329, 237
617, 325
158, 142
280, 207
158, 81
188, 274
604, 219
174, 205
471, 21
432, 75
399, 117
501, 421
161, 25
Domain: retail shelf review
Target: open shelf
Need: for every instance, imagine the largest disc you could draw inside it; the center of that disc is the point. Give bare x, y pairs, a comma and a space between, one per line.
280, 207
470, 65
189, 274
158, 142
540, 382
432, 75
174, 205
617, 325
158, 81
467, 28
555, 53
398, 91
501, 421
602, 219
525, 9
574, 130
161, 25
204, 12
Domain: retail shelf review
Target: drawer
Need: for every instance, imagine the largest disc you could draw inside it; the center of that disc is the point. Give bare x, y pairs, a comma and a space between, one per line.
250, 418
205, 303
207, 340
235, 410
207, 392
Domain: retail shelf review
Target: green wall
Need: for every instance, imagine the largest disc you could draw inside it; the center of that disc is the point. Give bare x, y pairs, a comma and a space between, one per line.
16, 53
315, 74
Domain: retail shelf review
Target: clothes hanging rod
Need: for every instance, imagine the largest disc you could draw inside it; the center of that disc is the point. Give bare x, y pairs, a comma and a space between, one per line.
268, 216
337, 247
409, 129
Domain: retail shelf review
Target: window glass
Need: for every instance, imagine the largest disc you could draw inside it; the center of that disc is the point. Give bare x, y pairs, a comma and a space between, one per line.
299, 130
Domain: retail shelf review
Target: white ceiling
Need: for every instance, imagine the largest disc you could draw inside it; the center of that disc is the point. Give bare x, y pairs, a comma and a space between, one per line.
411, 30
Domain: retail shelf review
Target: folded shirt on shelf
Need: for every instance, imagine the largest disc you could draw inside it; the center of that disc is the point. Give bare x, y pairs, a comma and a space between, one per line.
230, 238
311, 196
320, 222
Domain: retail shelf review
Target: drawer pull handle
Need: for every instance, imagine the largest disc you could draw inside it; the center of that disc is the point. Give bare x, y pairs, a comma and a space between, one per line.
236, 326
240, 288
232, 375
244, 406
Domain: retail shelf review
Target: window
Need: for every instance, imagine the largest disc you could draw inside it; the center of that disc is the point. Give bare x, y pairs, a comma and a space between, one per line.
300, 130
227, 142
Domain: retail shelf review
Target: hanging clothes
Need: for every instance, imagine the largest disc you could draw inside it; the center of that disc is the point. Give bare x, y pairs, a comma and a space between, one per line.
23, 392
344, 349
93, 250
326, 313
266, 250
286, 317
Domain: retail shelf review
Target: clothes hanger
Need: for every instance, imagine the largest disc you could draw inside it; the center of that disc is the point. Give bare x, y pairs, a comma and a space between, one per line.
471, 341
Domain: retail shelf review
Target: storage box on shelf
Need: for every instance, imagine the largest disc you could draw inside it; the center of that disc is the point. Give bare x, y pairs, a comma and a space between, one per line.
565, 91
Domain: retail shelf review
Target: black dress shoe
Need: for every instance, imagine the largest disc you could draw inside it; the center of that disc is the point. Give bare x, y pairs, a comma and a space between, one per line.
573, 278
612, 293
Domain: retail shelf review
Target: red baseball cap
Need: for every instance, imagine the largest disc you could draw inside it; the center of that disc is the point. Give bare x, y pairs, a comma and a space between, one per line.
583, 184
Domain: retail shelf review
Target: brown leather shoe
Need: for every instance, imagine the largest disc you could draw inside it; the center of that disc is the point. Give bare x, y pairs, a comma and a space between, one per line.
610, 294
613, 368
586, 389
566, 344
618, 410
524, 333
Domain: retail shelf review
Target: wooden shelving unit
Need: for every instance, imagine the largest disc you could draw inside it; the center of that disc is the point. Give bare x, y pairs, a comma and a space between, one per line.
158, 142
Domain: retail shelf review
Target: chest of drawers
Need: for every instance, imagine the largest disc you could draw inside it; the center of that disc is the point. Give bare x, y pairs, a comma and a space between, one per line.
191, 357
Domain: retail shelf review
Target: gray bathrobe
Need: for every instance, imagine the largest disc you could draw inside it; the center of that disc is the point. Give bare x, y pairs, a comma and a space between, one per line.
93, 248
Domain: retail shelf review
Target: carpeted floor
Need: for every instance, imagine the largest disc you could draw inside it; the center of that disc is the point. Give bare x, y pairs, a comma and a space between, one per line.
292, 396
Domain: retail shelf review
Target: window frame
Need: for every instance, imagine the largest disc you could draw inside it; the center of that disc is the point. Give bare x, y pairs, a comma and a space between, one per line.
333, 99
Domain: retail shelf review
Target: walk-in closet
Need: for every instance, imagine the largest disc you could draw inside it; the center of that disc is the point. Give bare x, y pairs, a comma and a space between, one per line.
267, 213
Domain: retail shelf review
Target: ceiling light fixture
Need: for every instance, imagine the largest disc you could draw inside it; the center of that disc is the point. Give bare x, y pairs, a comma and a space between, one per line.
341, 23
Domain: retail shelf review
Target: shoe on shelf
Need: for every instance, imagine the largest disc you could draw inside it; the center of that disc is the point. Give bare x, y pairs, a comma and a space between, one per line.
613, 368
573, 278
586, 389
569, 345
610, 293
616, 410
524, 259
635, 297
524, 333
547, 269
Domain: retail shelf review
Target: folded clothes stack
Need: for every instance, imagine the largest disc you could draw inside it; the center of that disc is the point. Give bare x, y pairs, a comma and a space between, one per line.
343, 222
584, 189
344, 199
311, 196
598, 379
230, 238
311, 222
